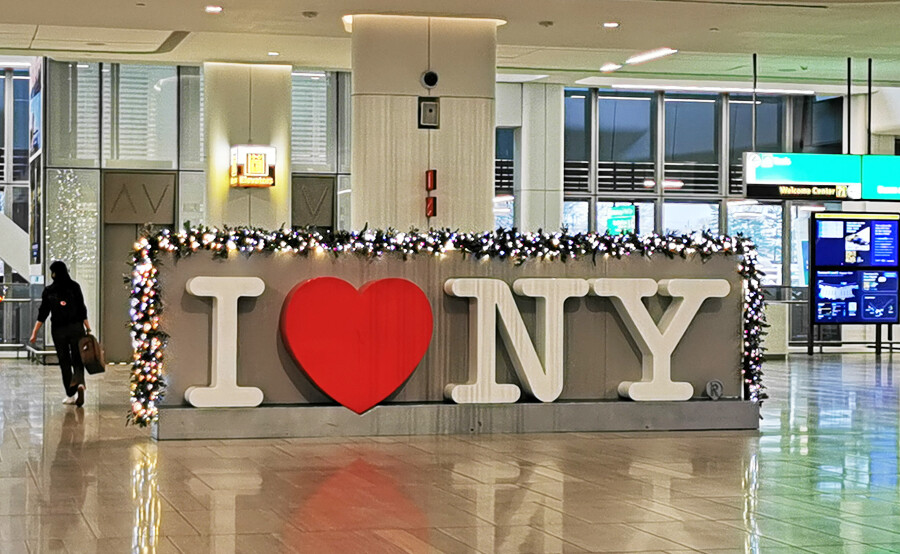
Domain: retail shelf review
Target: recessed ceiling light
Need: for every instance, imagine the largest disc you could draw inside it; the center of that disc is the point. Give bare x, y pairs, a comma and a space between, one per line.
650, 55
213, 9
547, 23
274, 53
611, 25
609, 67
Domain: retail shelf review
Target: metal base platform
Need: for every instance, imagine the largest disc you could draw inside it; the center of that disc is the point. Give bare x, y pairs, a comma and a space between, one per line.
178, 423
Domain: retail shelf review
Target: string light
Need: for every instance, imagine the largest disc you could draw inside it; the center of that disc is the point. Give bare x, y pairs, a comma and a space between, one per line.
149, 340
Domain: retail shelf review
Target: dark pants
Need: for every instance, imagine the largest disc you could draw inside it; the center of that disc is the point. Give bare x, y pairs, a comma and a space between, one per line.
66, 342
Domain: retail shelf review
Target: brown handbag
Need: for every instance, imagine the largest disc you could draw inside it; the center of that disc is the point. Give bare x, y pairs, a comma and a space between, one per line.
92, 354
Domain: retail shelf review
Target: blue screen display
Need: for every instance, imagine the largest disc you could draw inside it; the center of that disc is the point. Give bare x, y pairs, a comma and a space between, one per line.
856, 297
856, 243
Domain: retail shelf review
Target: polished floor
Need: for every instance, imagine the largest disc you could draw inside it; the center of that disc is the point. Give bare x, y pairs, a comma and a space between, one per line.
822, 476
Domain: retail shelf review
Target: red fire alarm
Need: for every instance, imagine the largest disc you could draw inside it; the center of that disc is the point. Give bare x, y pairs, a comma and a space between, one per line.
431, 206
431, 179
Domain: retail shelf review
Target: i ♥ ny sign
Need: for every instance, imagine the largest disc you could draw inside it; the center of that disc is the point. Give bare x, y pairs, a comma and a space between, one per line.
360, 345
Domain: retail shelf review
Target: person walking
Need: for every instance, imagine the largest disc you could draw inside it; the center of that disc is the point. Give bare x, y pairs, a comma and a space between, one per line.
64, 303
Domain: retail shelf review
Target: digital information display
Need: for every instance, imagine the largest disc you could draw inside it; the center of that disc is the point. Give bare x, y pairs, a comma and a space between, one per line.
856, 297
850, 242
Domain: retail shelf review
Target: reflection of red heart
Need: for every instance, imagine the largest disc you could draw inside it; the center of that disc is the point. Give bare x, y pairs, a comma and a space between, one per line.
352, 510
357, 346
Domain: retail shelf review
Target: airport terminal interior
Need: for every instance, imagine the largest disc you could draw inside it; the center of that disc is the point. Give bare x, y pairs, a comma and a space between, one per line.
518, 276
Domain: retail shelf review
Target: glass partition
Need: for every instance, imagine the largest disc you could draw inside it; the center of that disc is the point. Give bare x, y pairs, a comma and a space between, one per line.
140, 117
73, 114
313, 122
193, 134
692, 146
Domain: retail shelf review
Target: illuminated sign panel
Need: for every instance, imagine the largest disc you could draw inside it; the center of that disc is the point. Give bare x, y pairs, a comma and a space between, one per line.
252, 166
881, 177
809, 176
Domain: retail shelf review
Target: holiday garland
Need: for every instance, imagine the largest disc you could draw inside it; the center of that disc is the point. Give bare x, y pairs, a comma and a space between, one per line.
149, 339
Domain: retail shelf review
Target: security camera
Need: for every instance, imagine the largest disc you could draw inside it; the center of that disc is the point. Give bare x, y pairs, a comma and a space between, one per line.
429, 79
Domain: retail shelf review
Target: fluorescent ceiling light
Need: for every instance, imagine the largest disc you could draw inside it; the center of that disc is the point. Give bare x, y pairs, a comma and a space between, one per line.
679, 88
609, 67
273, 53
519, 77
611, 25
213, 9
650, 55
347, 20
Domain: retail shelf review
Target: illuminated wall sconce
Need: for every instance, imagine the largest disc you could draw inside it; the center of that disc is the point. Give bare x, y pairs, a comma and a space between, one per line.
252, 166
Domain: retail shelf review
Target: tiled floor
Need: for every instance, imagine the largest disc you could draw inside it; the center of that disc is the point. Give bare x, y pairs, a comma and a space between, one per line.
821, 477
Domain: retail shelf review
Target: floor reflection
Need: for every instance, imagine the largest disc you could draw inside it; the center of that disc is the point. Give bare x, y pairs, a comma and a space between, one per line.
147, 504
821, 476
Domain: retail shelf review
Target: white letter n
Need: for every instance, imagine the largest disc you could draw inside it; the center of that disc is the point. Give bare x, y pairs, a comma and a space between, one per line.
490, 297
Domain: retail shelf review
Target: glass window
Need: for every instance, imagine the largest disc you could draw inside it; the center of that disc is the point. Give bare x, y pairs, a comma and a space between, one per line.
504, 176
504, 211
577, 139
625, 127
762, 223
769, 125
193, 141
691, 128
575, 216
344, 122
73, 97
3, 149
191, 198
344, 197
625, 217
800, 215
818, 124
690, 217
140, 116
21, 134
313, 127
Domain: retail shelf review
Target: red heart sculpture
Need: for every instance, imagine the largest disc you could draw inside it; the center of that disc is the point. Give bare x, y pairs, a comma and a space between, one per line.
358, 347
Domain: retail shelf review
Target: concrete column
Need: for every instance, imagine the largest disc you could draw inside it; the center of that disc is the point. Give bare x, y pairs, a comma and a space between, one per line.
247, 104
539, 187
390, 153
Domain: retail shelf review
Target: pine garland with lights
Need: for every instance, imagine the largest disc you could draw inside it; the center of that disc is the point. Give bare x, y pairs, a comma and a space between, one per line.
149, 340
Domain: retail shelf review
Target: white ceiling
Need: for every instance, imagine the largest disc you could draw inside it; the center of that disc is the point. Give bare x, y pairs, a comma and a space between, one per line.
799, 41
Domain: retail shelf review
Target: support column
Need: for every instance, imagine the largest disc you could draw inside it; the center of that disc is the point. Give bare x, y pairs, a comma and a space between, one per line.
539, 188
391, 153
247, 104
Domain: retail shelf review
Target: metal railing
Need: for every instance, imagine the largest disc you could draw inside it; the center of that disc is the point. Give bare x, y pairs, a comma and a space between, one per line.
18, 312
